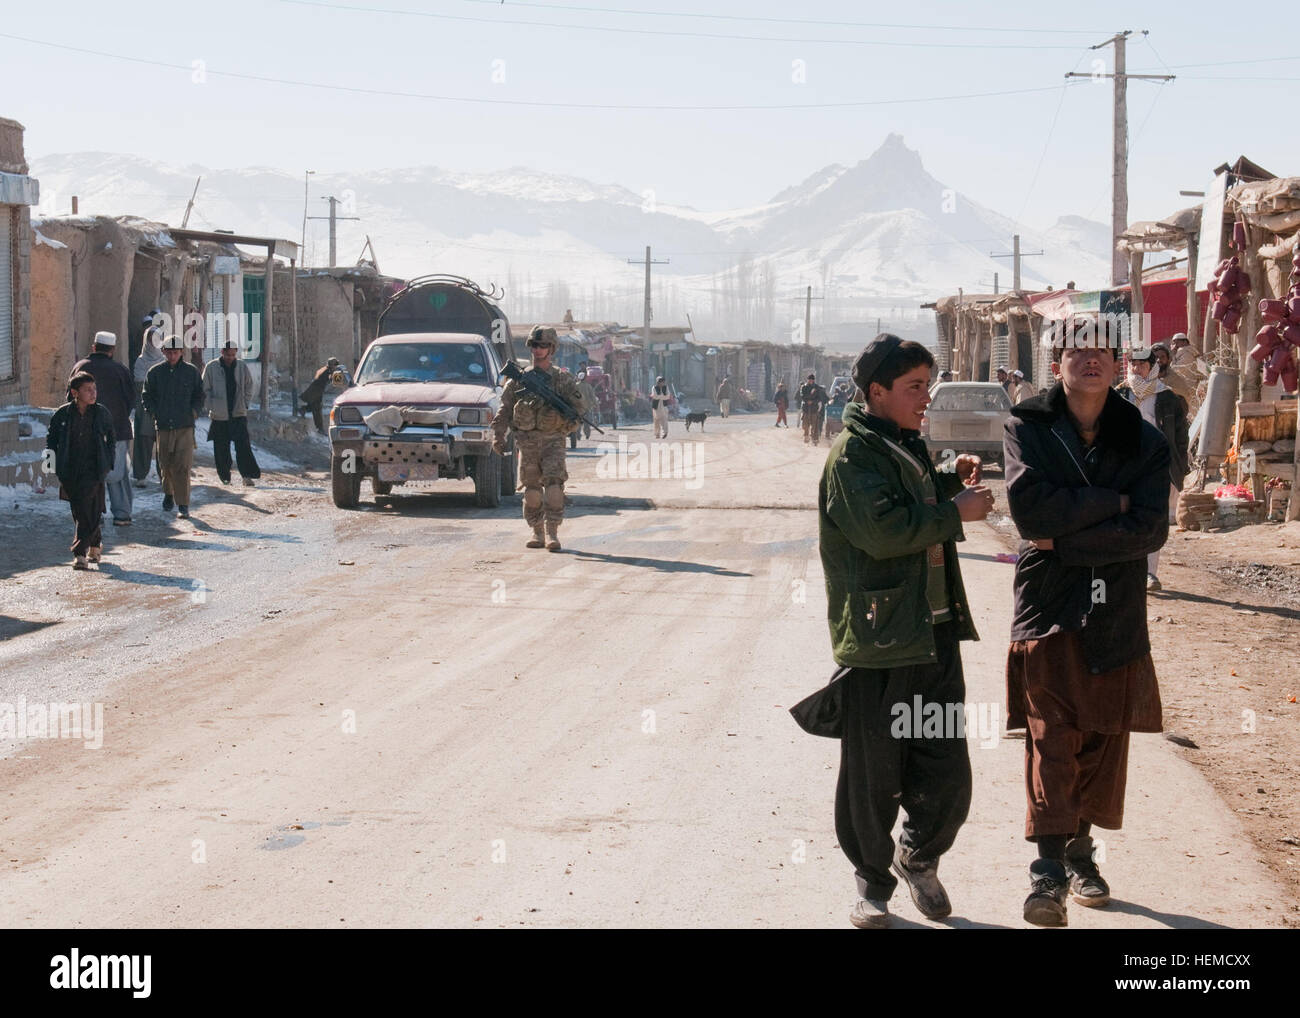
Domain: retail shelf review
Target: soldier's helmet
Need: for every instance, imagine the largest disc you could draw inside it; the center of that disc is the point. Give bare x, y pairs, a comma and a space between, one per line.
541, 335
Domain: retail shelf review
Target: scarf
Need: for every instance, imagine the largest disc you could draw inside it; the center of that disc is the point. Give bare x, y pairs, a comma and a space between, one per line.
1143, 388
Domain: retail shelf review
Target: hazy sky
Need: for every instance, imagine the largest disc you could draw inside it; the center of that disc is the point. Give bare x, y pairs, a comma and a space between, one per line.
1035, 155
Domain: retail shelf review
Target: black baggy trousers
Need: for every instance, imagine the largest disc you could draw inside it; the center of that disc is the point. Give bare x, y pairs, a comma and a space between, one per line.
888, 758
222, 433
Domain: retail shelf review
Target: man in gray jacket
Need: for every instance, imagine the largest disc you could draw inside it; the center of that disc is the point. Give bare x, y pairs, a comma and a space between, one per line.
173, 395
226, 385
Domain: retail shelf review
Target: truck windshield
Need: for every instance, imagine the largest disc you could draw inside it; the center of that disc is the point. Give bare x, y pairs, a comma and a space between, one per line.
425, 362
968, 398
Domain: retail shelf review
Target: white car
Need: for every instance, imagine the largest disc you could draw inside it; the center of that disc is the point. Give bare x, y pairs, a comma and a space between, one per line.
966, 417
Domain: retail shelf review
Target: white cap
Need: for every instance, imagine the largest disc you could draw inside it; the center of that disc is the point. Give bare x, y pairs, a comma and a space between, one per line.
105, 339
1018, 373
172, 343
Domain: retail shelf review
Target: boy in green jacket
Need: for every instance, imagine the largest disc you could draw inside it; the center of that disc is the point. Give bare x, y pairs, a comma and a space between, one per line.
897, 609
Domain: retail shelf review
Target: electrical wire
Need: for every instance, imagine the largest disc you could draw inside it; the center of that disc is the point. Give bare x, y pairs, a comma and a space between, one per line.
390, 93
569, 27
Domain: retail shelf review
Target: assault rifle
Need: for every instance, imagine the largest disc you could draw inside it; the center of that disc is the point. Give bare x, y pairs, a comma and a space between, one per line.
532, 381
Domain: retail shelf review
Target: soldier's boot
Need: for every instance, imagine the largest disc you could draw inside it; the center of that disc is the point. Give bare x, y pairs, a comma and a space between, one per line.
538, 539
552, 537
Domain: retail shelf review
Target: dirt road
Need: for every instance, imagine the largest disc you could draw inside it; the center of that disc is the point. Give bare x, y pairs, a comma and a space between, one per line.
401, 716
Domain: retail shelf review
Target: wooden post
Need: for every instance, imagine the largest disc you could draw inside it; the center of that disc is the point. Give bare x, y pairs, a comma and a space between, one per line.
1137, 301
1193, 307
266, 331
293, 326
1251, 369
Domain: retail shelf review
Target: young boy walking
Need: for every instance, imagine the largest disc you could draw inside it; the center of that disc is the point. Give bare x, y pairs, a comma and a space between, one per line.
1088, 488
897, 610
81, 437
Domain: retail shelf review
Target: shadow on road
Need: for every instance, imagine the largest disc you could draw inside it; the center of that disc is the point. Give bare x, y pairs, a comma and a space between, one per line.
11, 627
1263, 609
460, 505
658, 564
247, 535
1170, 919
145, 579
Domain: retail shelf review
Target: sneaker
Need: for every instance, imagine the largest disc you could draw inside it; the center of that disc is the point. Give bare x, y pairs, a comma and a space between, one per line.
96, 553
1049, 886
870, 914
1152, 582
1086, 884
184, 512
168, 503
125, 521
79, 562
248, 483
928, 895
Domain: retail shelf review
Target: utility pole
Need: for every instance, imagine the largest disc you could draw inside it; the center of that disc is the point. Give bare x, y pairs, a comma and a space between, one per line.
648, 315
190, 207
1015, 256
333, 217
1119, 168
807, 299
303, 247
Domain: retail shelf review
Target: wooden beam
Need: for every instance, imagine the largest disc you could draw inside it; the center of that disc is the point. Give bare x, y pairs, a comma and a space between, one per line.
266, 334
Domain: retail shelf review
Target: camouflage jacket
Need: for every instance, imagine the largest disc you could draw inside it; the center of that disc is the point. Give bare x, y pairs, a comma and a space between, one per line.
522, 410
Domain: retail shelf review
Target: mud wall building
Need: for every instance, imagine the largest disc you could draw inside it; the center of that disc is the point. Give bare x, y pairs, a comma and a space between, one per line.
18, 193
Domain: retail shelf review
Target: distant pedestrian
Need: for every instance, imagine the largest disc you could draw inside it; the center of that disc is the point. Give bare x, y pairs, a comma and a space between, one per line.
1167, 410
145, 438
725, 394
945, 376
173, 394
1021, 387
588, 400
812, 409
1004, 379
782, 401
1088, 489
81, 438
659, 397
116, 394
226, 385
314, 394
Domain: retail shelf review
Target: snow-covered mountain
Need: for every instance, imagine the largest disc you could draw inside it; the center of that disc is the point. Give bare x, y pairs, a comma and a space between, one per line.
878, 235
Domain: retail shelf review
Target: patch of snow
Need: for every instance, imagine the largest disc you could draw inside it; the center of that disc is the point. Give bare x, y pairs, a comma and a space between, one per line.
40, 238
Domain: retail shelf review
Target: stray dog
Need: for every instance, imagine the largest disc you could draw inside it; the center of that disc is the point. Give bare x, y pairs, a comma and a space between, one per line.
697, 418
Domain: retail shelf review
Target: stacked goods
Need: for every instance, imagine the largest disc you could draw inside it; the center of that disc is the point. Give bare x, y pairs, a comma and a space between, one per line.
1195, 509
1230, 285
1280, 334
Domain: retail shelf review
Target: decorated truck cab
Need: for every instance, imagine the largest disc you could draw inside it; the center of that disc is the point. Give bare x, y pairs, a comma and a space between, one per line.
425, 393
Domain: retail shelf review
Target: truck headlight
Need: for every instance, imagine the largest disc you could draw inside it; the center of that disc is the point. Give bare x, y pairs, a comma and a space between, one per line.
345, 415
468, 416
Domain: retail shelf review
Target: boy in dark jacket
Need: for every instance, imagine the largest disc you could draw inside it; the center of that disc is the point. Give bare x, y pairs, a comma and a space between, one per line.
1088, 488
81, 438
897, 609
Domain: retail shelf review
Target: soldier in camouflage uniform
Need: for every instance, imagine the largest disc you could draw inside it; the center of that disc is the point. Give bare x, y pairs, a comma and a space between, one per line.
540, 432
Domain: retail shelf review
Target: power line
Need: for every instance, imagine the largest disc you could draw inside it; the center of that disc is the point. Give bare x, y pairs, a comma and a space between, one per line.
391, 93
569, 27
787, 21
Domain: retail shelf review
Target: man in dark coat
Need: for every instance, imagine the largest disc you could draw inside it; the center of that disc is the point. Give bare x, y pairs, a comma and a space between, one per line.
897, 610
81, 437
116, 393
314, 394
1088, 489
173, 395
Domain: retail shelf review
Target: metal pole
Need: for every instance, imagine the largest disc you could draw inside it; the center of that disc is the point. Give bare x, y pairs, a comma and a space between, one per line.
807, 318
1119, 182
1015, 262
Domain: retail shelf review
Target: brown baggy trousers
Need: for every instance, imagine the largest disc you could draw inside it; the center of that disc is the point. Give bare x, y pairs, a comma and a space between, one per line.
175, 457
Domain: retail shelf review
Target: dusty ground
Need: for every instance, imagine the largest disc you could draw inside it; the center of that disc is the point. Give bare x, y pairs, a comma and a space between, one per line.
401, 716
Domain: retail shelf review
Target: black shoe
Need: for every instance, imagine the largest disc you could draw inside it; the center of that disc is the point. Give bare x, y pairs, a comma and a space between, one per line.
928, 895
1048, 884
168, 503
1086, 884
184, 512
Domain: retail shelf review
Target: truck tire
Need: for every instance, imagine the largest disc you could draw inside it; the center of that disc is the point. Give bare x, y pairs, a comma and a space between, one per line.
346, 487
510, 472
487, 481
381, 488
